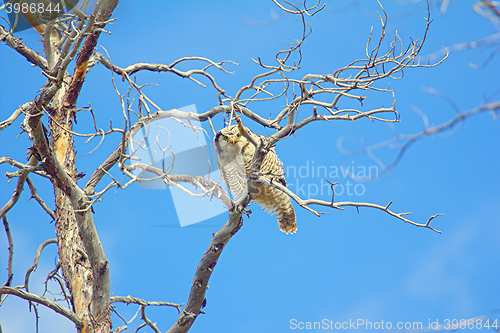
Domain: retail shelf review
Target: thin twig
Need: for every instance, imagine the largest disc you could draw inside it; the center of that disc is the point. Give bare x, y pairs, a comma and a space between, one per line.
42, 203
11, 251
19, 187
35, 261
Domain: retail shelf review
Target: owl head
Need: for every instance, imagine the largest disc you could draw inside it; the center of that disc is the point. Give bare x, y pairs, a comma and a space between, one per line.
229, 140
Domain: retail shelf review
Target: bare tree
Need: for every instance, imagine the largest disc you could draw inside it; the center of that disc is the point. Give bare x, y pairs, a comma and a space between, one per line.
69, 41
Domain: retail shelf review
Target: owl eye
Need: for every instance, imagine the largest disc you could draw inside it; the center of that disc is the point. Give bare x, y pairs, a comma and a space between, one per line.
226, 138
238, 135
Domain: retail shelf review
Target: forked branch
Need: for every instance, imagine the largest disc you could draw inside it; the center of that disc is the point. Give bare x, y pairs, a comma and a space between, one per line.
339, 205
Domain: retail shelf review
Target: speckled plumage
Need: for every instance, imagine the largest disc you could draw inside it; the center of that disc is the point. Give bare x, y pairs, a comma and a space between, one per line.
235, 159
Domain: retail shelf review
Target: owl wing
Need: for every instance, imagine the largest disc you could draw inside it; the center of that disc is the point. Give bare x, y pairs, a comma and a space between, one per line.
273, 200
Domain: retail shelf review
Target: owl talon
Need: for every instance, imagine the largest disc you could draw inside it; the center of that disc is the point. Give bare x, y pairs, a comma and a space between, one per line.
247, 212
243, 210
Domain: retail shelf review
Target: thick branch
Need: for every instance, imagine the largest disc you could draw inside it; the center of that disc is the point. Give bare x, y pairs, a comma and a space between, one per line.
208, 186
204, 271
44, 301
22, 167
134, 300
14, 116
101, 13
132, 69
16, 44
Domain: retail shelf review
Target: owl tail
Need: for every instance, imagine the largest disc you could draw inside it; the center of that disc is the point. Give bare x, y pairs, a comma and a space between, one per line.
287, 221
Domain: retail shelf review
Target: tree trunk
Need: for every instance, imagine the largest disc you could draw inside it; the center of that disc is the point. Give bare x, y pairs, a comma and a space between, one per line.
74, 257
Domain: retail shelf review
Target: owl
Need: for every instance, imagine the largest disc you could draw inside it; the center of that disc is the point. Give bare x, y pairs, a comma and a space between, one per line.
235, 158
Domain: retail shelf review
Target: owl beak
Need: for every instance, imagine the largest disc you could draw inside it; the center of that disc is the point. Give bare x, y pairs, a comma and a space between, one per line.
233, 141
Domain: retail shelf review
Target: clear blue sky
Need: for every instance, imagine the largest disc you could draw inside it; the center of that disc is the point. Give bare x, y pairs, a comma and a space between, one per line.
340, 267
